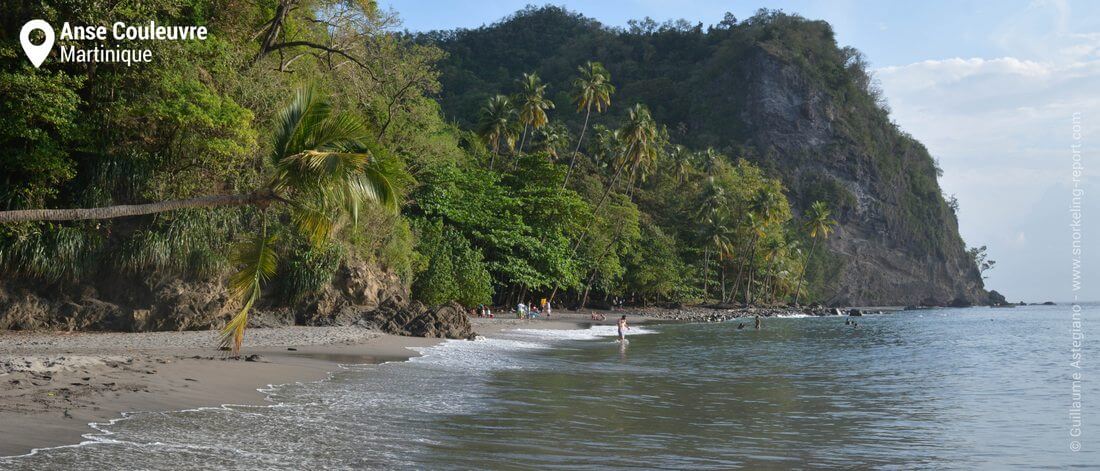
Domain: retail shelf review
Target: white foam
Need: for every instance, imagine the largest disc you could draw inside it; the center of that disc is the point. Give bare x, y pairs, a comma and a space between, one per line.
594, 332
487, 354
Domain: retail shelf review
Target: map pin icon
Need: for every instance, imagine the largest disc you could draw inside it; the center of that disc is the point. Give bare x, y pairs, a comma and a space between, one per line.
36, 53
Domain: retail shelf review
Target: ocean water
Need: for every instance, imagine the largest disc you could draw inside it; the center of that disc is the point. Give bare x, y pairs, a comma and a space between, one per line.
972, 388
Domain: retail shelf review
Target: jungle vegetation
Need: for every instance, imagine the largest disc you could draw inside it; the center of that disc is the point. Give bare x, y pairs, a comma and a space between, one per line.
304, 134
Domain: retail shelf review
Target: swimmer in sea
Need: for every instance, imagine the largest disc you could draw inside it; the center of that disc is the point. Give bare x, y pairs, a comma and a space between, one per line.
622, 328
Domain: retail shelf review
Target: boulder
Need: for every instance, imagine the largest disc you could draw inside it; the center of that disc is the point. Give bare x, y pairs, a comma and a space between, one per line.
416, 320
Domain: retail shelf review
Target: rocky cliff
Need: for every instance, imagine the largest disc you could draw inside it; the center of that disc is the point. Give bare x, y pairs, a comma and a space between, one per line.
774, 89
898, 241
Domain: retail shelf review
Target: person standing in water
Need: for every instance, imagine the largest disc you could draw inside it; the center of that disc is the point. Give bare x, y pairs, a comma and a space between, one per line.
759, 323
622, 328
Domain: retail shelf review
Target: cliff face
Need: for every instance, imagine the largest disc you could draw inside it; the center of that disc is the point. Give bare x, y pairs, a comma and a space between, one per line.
798, 126
774, 89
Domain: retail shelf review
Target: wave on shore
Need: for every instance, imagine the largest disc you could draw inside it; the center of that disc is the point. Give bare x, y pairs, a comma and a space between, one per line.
390, 406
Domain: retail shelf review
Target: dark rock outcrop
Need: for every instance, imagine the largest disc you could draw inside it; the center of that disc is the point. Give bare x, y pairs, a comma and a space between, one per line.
416, 320
167, 303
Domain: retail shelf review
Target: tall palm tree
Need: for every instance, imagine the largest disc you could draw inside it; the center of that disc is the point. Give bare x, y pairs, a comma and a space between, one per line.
721, 240
497, 123
681, 162
640, 135
819, 223
322, 174
713, 200
638, 139
772, 249
592, 90
532, 105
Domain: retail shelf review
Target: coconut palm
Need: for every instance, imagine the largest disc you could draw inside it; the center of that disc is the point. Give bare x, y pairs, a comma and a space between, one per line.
498, 123
681, 162
720, 237
323, 174
532, 105
771, 249
761, 207
592, 90
640, 136
713, 201
638, 140
819, 223
552, 138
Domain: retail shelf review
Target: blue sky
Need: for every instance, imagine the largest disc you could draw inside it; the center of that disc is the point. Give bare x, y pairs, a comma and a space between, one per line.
990, 87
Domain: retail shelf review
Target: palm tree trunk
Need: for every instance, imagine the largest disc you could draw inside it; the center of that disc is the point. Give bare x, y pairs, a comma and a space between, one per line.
751, 266
706, 273
740, 266
523, 140
573, 161
259, 198
587, 286
798, 290
722, 267
599, 206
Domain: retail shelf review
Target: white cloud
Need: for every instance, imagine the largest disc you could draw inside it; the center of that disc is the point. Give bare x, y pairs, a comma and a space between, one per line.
1001, 129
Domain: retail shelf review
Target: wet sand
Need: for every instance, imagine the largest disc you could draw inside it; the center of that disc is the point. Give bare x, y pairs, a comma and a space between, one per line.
53, 384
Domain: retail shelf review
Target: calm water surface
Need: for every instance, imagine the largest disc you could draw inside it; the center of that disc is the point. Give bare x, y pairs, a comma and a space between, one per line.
951, 388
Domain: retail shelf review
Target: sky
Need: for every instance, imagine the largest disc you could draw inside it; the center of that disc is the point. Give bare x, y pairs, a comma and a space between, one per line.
990, 87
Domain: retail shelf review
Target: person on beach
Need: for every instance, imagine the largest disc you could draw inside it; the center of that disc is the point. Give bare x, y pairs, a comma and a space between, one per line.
622, 328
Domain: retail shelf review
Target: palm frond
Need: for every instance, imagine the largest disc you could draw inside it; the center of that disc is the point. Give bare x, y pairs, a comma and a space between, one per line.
314, 219
256, 261
296, 124
338, 132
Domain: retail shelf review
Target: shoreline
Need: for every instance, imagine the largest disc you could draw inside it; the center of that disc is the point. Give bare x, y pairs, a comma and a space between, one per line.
55, 385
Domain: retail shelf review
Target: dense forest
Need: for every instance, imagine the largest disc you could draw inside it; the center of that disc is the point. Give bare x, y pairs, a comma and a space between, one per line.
308, 157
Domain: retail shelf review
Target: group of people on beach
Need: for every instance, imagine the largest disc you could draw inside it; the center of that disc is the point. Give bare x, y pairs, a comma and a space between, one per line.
484, 311
532, 311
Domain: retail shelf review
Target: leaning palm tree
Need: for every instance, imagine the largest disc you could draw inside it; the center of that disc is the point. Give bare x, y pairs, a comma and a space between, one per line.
638, 140
322, 173
592, 90
532, 105
819, 223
